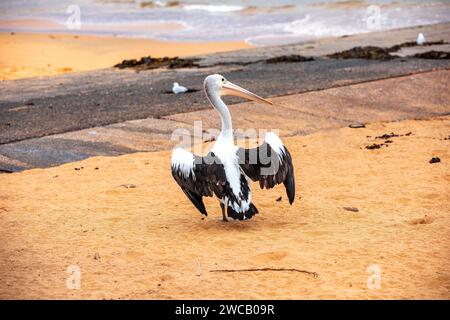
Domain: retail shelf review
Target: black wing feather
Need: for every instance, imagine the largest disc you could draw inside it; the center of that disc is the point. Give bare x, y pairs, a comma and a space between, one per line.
263, 164
207, 179
196, 200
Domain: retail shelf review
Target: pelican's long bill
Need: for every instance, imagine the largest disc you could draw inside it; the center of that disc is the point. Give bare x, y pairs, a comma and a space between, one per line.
234, 90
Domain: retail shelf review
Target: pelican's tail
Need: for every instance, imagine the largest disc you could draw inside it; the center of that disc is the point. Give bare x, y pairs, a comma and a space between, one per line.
233, 214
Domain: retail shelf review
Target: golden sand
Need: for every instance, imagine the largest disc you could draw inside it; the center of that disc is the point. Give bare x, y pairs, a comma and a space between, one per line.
150, 242
29, 55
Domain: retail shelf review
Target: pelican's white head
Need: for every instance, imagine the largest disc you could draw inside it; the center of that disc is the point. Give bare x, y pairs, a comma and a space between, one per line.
216, 86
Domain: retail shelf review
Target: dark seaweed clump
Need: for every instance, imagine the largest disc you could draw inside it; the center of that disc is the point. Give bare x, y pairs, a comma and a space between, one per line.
433, 55
387, 140
290, 58
369, 53
378, 53
388, 136
414, 44
374, 146
147, 63
435, 160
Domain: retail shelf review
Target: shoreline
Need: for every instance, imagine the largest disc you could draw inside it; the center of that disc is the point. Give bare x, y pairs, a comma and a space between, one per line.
44, 54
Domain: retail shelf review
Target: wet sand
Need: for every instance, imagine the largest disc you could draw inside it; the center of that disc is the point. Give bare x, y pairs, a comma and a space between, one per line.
149, 241
32, 55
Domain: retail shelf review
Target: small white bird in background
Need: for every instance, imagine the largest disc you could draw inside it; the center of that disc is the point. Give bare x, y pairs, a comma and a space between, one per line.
420, 39
178, 89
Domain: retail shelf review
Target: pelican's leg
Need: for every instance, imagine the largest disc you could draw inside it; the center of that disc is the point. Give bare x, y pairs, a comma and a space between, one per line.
224, 217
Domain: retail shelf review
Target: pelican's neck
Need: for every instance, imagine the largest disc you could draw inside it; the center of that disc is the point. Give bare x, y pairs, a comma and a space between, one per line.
226, 133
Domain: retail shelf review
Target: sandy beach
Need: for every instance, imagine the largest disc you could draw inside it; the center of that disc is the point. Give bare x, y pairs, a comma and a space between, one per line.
33, 55
85, 153
149, 242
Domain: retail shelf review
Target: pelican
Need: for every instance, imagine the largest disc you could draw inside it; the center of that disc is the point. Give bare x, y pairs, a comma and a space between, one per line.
227, 170
176, 88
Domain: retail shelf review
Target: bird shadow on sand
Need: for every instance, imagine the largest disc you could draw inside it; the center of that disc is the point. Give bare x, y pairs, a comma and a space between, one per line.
188, 91
255, 224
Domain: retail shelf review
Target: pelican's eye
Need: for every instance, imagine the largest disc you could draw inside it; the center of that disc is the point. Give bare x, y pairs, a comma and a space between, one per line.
223, 80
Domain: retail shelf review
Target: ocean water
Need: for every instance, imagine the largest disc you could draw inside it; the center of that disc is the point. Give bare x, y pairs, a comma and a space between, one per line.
257, 22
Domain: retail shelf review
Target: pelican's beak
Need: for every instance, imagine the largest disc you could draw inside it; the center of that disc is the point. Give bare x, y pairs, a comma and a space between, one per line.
231, 89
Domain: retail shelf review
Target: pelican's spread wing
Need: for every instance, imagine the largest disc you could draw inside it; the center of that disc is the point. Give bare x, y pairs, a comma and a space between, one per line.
270, 164
198, 176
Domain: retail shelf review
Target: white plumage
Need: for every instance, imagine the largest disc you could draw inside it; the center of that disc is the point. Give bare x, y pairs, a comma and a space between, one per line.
178, 89
421, 39
274, 141
183, 161
226, 152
